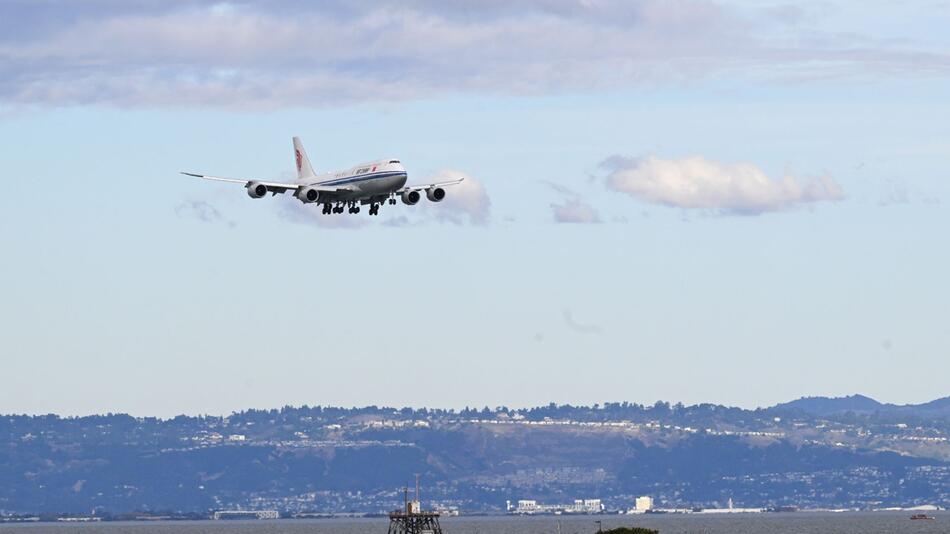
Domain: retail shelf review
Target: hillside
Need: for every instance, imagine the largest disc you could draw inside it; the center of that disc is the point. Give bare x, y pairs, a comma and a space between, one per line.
324, 459
823, 406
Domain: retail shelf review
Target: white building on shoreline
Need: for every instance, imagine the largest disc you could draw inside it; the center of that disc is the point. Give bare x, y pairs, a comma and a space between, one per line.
532, 507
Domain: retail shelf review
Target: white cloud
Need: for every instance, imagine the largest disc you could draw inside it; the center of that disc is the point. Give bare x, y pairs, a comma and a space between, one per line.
573, 210
292, 53
697, 183
465, 203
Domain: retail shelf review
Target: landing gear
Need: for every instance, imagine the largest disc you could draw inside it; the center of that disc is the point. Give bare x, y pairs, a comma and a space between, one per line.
351, 207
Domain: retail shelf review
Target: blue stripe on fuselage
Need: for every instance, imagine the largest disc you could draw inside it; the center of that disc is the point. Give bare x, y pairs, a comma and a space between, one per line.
362, 177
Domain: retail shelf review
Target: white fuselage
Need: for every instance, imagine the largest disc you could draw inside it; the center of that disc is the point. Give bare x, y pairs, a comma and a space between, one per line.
376, 179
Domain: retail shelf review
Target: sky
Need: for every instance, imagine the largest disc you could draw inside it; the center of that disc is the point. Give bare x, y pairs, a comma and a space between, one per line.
692, 201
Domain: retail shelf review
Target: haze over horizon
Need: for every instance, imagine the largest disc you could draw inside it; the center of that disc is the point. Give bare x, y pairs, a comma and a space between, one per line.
828, 400
692, 202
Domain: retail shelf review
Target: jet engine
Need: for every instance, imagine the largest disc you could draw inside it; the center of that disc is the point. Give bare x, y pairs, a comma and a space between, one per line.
435, 194
410, 197
307, 194
256, 190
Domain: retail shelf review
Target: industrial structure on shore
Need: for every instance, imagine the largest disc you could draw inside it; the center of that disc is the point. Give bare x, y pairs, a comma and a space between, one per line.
412, 519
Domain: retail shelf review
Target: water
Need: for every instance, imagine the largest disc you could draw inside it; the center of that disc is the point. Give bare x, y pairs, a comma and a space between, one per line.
797, 523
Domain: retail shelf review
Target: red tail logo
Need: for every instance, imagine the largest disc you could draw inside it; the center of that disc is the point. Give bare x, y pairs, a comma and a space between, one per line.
299, 159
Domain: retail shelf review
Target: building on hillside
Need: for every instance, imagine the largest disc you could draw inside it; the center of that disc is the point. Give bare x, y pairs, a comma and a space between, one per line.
643, 504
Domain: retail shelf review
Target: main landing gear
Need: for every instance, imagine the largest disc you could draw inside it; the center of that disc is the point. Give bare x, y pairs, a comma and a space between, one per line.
351, 207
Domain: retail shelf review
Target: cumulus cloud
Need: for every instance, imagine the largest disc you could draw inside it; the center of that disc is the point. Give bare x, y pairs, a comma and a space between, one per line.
574, 210
465, 203
698, 183
292, 53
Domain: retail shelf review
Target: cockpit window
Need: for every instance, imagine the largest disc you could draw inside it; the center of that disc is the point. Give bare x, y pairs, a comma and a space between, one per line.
394, 161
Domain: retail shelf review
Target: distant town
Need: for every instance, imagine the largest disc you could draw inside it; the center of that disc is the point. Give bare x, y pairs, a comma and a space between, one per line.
832, 454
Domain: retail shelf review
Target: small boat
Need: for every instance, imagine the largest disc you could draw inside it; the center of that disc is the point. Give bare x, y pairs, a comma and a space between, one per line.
916, 517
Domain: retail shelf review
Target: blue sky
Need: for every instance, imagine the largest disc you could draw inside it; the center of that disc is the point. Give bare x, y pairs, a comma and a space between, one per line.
689, 201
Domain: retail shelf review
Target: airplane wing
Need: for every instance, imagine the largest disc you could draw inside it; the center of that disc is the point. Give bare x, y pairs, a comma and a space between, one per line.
428, 186
274, 187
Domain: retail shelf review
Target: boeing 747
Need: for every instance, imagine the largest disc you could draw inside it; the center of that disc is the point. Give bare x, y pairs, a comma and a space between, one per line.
370, 183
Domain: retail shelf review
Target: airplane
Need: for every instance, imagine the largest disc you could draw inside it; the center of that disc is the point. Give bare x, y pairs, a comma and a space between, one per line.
370, 183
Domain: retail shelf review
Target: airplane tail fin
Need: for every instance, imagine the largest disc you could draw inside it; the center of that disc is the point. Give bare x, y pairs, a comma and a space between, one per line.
304, 170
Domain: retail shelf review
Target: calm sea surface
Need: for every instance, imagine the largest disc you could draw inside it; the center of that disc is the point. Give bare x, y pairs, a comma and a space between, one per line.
797, 523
